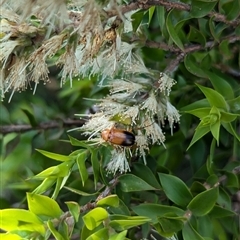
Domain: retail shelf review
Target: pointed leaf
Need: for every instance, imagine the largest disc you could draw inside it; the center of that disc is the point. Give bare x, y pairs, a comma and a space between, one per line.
55, 156
131, 183
12, 219
203, 203
201, 8
193, 67
199, 133
189, 233
81, 158
175, 189
154, 211
100, 234
45, 185
200, 112
120, 222
43, 205
54, 232
95, 217
220, 85
111, 200
74, 209
95, 166
10, 236
231, 130
172, 31
142, 171
119, 236
214, 98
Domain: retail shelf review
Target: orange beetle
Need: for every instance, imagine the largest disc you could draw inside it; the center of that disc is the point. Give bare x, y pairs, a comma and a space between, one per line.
118, 137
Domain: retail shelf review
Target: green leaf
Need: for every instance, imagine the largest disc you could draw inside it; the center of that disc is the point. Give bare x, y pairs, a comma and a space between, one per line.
220, 212
142, 171
60, 170
175, 189
154, 211
213, 28
231, 130
12, 219
151, 11
121, 222
44, 186
81, 158
203, 203
111, 200
200, 112
195, 35
43, 205
95, 217
95, 166
215, 123
119, 236
214, 98
60, 184
170, 224
220, 85
10, 236
199, 133
74, 209
193, 67
203, 103
234, 104
100, 234
79, 192
55, 156
234, 11
30, 117
54, 232
172, 32
161, 16
189, 233
228, 117
131, 183
200, 9
137, 19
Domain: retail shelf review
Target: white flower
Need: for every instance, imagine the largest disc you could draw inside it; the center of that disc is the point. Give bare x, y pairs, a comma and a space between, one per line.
154, 132
165, 83
118, 162
111, 108
6, 48
119, 85
96, 125
150, 104
131, 112
142, 145
172, 115
38, 66
69, 64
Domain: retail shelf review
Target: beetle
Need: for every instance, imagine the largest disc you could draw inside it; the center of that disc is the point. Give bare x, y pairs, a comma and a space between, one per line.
118, 137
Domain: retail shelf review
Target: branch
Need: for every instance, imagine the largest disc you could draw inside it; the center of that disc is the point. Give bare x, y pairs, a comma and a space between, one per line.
145, 4
104, 194
181, 54
42, 126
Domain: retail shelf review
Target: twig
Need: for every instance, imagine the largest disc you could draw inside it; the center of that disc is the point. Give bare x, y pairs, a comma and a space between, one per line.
42, 126
104, 194
145, 4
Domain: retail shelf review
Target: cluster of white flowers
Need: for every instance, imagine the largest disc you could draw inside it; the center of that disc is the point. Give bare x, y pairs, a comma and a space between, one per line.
136, 105
85, 41
79, 34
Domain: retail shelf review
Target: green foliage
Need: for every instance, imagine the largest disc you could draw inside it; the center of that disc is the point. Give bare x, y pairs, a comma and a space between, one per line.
55, 183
